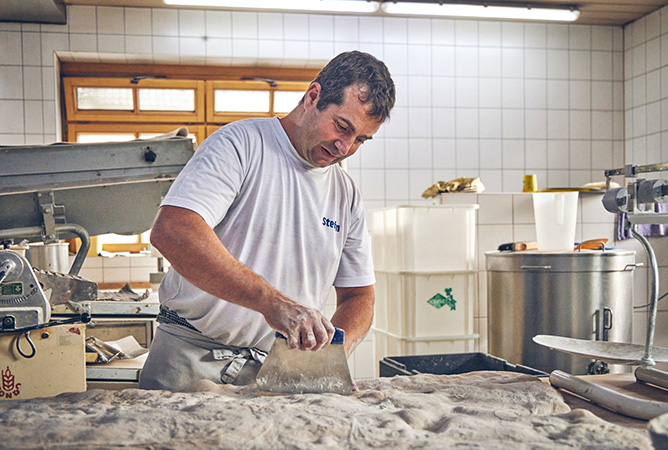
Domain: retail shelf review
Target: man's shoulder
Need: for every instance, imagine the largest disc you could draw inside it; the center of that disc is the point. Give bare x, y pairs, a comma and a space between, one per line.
248, 127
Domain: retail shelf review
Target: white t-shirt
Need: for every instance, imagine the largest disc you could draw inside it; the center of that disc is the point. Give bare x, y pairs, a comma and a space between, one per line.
300, 227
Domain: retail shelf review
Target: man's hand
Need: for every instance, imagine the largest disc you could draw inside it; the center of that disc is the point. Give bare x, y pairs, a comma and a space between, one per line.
305, 328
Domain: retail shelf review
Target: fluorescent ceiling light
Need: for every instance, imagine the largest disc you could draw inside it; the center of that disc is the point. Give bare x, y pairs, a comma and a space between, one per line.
479, 11
353, 6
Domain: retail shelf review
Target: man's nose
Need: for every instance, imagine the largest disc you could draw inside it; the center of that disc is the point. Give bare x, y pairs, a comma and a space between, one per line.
344, 145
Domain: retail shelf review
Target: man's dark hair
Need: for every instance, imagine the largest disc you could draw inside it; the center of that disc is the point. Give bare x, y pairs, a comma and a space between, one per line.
361, 69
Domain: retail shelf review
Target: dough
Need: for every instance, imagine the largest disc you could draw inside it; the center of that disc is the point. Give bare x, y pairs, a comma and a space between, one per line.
483, 410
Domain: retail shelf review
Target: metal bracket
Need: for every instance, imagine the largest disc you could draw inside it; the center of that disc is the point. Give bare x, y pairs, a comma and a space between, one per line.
52, 214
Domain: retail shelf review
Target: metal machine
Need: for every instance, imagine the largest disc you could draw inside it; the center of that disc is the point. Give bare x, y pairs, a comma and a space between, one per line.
637, 201
66, 190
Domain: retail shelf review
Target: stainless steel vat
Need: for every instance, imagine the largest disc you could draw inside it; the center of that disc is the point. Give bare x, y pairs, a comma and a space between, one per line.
585, 295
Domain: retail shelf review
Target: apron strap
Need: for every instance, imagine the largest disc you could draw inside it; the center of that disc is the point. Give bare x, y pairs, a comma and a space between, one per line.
237, 357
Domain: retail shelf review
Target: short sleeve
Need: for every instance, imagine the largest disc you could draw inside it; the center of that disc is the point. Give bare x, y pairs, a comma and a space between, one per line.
356, 265
213, 177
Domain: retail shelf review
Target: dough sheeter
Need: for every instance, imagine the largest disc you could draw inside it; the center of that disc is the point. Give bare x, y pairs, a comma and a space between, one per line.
71, 190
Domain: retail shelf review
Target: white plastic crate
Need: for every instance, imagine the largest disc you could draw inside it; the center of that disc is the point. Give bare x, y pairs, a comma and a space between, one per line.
425, 305
438, 238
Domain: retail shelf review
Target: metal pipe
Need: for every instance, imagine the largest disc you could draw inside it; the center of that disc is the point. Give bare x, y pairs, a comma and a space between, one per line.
652, 376
608, 398
85, 244
654, 296
72, 228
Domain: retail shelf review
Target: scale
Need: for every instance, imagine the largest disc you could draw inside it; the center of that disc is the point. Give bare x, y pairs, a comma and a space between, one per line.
636, 200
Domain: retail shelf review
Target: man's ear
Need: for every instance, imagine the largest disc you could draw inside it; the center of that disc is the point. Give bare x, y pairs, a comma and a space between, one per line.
312, 95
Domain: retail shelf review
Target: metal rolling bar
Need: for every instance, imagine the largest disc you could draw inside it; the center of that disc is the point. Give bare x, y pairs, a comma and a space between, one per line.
654, 296
652, 376
608, 398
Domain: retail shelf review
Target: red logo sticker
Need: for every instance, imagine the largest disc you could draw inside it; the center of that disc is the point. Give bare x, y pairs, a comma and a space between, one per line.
75, 330
9, 387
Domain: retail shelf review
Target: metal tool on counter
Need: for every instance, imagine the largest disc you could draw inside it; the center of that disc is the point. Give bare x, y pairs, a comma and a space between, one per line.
518, 246
294, 371
632, 200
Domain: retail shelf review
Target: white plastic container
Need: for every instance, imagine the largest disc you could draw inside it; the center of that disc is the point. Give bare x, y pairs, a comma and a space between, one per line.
438, 238
419, 305
555, 214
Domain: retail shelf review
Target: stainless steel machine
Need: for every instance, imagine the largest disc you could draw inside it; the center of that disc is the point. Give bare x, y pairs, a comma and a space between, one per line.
636, 200
66, 190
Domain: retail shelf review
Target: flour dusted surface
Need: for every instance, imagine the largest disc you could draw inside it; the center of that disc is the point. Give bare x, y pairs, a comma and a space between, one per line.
479, 410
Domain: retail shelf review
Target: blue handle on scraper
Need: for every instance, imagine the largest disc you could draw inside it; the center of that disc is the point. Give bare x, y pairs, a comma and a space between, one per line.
339, 336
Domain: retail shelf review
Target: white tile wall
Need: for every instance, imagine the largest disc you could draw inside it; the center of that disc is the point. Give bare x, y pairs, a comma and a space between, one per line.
490, 82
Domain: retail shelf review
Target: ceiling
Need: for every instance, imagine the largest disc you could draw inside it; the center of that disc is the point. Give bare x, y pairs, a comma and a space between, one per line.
592, 12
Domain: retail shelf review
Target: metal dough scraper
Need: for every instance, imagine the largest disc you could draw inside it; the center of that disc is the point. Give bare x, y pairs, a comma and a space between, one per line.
294, 371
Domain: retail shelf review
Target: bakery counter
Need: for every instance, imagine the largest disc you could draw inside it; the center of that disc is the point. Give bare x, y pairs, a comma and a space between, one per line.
488, 409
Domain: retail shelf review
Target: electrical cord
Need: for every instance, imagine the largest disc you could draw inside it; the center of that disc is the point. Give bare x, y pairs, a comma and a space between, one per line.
646, 305
32, 346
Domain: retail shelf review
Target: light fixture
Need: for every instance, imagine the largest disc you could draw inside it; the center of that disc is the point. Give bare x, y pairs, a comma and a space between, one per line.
334, 6
484, 11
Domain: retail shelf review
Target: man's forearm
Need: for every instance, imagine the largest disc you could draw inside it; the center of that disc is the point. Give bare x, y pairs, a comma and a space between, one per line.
195, 252
354, 314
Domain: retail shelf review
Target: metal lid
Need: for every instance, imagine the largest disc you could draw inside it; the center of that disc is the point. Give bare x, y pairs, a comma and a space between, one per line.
578, 261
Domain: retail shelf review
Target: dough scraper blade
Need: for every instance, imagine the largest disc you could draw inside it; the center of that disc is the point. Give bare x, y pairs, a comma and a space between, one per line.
294, 371
610, 352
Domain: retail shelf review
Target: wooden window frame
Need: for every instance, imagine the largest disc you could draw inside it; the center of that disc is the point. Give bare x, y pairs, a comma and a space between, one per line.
70, 85
204, 79
75, 129
221, 118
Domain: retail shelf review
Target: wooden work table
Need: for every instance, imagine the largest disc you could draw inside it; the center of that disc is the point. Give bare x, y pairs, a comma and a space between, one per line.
624, 383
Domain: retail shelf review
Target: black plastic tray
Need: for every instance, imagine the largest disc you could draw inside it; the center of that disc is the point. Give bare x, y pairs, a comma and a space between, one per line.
449, 364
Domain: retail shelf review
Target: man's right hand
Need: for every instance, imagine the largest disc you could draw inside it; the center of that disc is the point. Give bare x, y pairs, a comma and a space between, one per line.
305, 328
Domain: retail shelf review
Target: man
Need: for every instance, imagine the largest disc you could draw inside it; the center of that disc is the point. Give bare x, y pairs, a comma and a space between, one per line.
259, 226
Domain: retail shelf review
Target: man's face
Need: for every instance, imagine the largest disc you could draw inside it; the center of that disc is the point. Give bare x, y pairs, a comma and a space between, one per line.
335, 133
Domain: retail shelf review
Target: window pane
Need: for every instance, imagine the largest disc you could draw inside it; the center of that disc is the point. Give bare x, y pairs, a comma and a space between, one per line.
241, 101
90, 138
166, 99
285, 101
104, 98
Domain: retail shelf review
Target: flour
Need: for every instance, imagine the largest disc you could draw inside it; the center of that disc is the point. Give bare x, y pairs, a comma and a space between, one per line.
489, 410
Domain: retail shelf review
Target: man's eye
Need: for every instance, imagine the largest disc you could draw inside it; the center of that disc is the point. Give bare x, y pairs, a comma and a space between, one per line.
341, 127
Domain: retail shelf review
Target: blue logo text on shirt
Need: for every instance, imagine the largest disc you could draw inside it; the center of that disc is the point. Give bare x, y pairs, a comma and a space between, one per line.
331, 224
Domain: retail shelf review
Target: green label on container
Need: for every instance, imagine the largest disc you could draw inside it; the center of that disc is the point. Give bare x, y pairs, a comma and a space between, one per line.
438, 301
